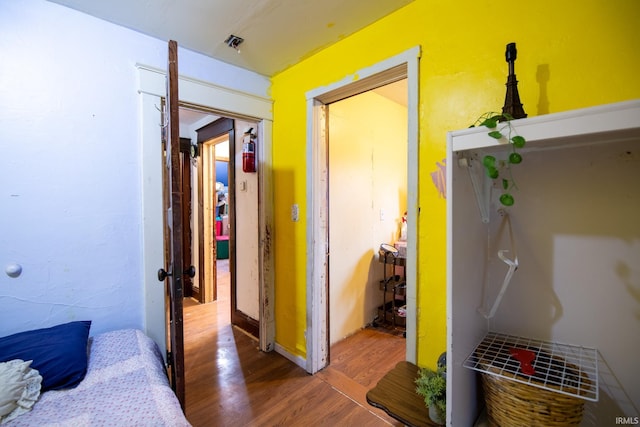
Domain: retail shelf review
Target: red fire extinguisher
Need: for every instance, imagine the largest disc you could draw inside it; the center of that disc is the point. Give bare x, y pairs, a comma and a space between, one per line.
249, 151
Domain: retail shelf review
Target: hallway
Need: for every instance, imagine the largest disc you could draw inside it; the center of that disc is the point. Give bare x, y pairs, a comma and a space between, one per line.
229, 382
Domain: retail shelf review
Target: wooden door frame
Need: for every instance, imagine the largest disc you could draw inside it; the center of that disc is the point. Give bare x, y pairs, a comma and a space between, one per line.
214, 130
227, 102
187, 212
406, 65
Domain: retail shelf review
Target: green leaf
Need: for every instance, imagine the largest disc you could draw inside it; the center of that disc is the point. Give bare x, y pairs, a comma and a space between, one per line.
490, 123
505, 184
518, 141
515, 158
507, 116
492, 172
507, 199
488, 161
495, 134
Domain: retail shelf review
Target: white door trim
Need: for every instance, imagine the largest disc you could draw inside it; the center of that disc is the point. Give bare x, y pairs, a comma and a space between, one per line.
152, 88
317, 204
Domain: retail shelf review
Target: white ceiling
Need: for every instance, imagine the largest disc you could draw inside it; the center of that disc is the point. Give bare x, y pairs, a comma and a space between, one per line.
277, 33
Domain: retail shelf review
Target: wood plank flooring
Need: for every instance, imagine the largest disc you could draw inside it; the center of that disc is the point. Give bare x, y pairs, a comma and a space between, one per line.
229, 382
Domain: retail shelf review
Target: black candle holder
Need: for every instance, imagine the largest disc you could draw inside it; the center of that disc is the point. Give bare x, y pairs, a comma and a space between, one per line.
512, 104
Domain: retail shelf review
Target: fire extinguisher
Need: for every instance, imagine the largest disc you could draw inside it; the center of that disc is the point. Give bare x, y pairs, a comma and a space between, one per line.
249, 151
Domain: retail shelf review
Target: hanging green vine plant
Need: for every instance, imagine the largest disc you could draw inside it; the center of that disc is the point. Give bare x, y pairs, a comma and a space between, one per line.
500, 169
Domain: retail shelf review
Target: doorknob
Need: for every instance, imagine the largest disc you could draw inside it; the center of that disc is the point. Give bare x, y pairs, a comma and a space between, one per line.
191, 271
162, 274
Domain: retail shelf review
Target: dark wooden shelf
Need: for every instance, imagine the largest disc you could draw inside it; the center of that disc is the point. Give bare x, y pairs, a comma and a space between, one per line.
396, 394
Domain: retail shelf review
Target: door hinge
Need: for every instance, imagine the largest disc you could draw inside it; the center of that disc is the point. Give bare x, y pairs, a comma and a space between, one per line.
169, 358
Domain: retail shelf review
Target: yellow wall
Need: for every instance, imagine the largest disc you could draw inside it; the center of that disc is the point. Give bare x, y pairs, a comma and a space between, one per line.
368, 174
570, 55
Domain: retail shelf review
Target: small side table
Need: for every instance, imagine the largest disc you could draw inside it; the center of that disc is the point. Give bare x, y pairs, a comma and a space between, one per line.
396, 394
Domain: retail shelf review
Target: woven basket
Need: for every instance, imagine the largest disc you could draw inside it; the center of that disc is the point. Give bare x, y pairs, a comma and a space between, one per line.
514, 404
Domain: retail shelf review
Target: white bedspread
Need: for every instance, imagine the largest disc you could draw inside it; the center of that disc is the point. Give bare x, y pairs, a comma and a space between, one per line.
125, 385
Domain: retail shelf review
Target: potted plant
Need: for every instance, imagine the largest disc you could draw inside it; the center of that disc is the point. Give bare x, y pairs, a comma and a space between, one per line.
432, 386
500, 127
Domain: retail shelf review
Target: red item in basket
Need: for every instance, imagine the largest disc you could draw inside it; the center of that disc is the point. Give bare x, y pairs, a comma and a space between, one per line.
525, 357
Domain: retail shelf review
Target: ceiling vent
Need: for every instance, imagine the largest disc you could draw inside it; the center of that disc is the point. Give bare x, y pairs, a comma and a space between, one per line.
234, 41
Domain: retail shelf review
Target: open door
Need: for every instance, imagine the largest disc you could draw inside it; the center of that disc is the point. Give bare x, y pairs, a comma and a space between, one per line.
173, 234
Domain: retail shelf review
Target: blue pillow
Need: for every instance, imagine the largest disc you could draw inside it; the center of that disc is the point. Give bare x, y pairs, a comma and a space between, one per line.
59, 353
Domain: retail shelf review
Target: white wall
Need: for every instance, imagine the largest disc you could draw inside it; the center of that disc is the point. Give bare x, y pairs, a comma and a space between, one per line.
367, 175
247, 249
70, 164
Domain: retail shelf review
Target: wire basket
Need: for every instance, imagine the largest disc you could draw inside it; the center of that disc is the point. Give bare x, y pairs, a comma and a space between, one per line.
553, 395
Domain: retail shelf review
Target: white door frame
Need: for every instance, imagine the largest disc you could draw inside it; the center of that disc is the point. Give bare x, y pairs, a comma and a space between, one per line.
230, 103
407, 64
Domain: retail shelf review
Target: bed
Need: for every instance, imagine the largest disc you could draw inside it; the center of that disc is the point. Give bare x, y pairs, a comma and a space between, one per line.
124, 384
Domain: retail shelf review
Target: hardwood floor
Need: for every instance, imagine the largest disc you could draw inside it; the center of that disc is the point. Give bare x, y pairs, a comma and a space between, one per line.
230, 382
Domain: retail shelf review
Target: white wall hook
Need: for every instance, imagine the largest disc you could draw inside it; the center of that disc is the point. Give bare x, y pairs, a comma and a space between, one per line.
13, 270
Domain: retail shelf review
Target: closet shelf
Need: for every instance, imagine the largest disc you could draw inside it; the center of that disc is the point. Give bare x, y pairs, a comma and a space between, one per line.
588, 126
561, 368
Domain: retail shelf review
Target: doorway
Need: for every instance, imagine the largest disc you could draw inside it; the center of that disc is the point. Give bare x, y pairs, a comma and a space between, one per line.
213, 213
367, 145
228, 214
402, 66
215, 100
196, 171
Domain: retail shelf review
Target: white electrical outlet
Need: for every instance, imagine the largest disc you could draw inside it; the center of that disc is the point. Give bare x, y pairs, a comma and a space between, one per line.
295, 212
